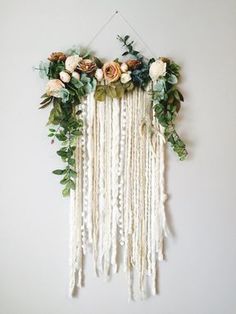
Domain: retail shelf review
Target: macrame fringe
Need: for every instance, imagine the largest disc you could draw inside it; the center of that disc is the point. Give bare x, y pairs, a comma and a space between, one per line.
119, 201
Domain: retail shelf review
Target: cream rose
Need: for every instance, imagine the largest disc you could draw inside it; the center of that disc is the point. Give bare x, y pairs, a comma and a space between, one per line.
124, 67
99, 74
76, 75
53, 88
65, 77
125, 77
111, 71
157, 69
72, 62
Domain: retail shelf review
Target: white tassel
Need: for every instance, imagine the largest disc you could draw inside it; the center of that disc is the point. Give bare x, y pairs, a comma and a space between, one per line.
114, 175
120, 192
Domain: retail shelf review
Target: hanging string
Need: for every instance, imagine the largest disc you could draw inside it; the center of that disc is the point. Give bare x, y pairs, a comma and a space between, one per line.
102, 28
130, 26
137, 34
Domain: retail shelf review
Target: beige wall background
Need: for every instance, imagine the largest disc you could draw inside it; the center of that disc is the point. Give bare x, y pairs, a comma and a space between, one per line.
199, 275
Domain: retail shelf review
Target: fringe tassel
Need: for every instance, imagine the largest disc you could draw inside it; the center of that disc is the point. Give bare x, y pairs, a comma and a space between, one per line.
120, 192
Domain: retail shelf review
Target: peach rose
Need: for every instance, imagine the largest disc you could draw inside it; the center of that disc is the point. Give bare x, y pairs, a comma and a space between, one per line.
111, 71
54, 87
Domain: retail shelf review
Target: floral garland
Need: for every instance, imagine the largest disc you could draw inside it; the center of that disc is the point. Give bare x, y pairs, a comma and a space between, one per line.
74, 74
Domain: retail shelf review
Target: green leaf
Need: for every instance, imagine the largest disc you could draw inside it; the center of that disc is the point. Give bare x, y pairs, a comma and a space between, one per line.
129, 86
55, 114
100, 93
76, 83
71, 161
47, 99
61, 137
73, 173
44, 95
58, 172
126, 38
66, 191
43, 69
119, 90
111, 91
62, 153
64, 181
178, 105
172, 79
45, 102
180, 96
55, 68
71, 184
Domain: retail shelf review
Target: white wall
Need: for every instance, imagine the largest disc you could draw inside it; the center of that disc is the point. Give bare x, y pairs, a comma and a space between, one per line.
199, 276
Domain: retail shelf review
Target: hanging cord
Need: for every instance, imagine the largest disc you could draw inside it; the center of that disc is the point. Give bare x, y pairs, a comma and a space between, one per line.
137, 34
130, 26
102, 28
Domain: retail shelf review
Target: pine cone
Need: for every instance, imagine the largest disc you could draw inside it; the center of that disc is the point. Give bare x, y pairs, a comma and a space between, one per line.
57, 56
87, 66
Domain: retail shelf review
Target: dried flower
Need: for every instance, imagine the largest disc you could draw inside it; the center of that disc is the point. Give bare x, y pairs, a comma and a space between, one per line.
76, 75
87, 66
157, 69
111, 71
99, 74
125, 77
72, 62
54, 87
133, 64
65, 77
164, 59
57, 56
124, 67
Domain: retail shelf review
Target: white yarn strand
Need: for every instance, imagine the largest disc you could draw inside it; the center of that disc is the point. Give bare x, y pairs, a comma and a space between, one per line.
119, 201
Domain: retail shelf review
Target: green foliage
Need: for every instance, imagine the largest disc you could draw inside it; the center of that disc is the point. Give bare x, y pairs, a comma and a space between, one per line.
47, 100
43, 69
140, 76
65, 116
166, 102
75, 50
129, 47
113, 90
67, 133
55, 68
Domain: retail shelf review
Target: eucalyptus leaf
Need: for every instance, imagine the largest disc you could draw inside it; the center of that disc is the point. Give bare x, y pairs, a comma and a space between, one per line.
66, 191
172, 79
58, 172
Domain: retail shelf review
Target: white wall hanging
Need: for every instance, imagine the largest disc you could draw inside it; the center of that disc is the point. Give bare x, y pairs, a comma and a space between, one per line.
113, 120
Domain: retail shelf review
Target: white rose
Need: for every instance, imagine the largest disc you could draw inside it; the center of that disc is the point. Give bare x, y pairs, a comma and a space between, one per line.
72, 62
125, 77
76, 75
124, 67
99, 74
53, 88
157, 69
65, 77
